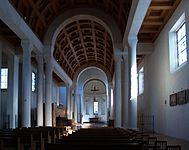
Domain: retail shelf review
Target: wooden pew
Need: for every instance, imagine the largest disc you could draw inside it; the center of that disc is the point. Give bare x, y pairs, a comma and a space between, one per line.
95, 146
25, 140
31, 138
8, 139
101, 138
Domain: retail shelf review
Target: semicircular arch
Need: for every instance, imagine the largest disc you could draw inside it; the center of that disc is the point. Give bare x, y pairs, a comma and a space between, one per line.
84, 13
90, 73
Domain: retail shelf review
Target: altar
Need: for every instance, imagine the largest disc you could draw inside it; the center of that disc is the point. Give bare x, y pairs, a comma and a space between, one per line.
93, 120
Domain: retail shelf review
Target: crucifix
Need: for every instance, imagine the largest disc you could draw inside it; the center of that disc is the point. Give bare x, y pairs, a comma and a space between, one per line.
94, 90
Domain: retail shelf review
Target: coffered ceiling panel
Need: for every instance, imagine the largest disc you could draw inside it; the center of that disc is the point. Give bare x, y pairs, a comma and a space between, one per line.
84, 42
156, 17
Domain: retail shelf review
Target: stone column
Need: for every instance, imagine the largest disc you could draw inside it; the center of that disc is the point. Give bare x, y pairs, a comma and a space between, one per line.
82, 108
75, 104
71, 104
117, 91
26, 83
110, 101
1, 47
12, 101
79, 108
57, 95
40, 90
48, 91
133, 83
125, 89
68, 102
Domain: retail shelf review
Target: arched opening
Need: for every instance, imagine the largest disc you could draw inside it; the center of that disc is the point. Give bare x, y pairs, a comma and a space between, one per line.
95, 102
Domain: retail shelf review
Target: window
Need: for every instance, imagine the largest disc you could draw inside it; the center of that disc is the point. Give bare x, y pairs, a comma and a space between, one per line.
141, 81
181, 44
33, 82
4, 78
95, 108
178, 44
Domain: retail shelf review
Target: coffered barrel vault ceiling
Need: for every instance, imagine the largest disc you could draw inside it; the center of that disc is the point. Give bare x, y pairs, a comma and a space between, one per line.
85, 42
81, 43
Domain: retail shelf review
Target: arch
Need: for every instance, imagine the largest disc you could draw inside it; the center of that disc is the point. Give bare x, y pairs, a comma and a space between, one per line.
84, 13
94, 79
99, 83
100, 67
90, 73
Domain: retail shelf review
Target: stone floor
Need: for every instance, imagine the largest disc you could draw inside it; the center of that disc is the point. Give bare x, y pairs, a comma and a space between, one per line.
170, 140
173, 141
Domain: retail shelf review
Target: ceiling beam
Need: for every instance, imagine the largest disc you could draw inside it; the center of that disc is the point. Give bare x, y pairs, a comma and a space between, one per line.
149, 22
65, 58
161, 5
135, 19
71, 46
39, 15
105, 50
61, 73
81, 38
149, 30
14, 21
94, 40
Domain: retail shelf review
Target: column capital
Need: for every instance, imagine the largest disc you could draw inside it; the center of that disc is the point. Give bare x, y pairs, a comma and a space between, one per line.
48, 58
132, 41
117, 55
26, 45
110, 84
47, 52
117, 58
68, 85
75, 85
39, 58
126, 48
125, 56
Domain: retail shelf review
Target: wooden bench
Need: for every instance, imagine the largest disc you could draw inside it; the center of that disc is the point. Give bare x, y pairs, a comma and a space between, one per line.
95, 146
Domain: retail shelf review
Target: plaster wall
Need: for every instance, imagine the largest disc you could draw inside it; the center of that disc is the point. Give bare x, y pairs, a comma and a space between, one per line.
160, 83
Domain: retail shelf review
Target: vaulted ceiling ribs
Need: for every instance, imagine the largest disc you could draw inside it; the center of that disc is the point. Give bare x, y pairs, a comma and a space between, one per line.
84, 42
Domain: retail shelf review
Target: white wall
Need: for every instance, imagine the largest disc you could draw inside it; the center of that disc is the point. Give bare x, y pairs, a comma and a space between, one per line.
86, 75
55, 93
88, 105
62, 95
160, 83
